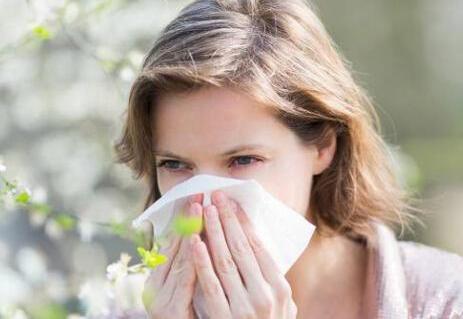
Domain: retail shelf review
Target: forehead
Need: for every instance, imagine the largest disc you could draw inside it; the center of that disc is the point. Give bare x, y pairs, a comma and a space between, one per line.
212, 116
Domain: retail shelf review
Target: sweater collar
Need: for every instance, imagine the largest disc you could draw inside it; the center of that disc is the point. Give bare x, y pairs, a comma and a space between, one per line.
385, 291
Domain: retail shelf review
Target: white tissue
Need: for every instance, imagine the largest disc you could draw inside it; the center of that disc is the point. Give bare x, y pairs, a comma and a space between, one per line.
284, 232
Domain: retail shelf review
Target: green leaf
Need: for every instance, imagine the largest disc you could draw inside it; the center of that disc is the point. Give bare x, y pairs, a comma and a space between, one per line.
49, 311
102, 6
65, 221
22, 198
108, 65
187, 225
139, 238
10, 186
119, 229
151, 259
41, 32
40, 208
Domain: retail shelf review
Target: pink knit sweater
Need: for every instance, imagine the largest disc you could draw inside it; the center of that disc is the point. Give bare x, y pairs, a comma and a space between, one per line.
412, 280
404, 280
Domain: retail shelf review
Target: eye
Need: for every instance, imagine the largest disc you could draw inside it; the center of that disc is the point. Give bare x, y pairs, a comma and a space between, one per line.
170, 165
245, 160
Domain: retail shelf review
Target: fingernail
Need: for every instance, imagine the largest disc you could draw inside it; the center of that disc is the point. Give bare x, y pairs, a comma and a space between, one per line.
194, 198
191, 199
195, 209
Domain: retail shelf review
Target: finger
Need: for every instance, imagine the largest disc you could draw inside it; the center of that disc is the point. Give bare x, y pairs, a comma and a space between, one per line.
267, 264
158, 275
181, 261
216, 302
196, 198
170, 249
222, 258
156, 278
237, 242
184, 288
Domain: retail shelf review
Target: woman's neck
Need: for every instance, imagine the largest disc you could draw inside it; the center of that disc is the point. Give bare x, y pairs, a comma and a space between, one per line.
328, 279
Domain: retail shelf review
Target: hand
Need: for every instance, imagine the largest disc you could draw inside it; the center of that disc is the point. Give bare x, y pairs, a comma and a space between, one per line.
249, 283
168, 291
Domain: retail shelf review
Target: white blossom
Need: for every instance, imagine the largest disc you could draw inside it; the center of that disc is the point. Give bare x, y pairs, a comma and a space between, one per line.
53, 230
56, 287
39, 195
19, 314
96, 295
13, 288
37, 219
128, 291
126, 74
119, 269
136, 58
9, 203
32, 264
86, 230
71, 11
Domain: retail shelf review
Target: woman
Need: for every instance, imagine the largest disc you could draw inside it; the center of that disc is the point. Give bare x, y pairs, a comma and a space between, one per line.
261, 80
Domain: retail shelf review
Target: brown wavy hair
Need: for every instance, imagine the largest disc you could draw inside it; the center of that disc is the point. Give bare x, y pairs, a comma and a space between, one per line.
280, 54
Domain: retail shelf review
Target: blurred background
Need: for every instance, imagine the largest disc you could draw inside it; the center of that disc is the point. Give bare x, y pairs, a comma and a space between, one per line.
65, 72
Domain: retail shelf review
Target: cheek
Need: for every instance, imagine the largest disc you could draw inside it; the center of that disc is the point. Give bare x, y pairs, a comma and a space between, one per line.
166, 181
290, 181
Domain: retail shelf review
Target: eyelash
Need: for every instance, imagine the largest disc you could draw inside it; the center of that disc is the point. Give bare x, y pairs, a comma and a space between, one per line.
163, 162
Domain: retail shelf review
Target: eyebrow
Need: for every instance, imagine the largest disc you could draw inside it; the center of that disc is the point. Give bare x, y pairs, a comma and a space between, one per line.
234, 150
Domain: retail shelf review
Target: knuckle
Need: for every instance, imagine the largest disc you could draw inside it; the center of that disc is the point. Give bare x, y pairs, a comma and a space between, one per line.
282, 289
179, 265
170, 244
225, 264
264, 305
256, 244
228, 209
239, 248
211, 288
233, 206
226, 212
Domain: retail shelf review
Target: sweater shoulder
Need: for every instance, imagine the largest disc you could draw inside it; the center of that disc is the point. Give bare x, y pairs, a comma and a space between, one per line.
434, 280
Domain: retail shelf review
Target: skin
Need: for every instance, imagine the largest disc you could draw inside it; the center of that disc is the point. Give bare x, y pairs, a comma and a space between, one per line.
192, 131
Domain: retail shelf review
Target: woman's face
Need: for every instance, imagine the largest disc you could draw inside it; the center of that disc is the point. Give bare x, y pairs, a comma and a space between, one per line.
222, 132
